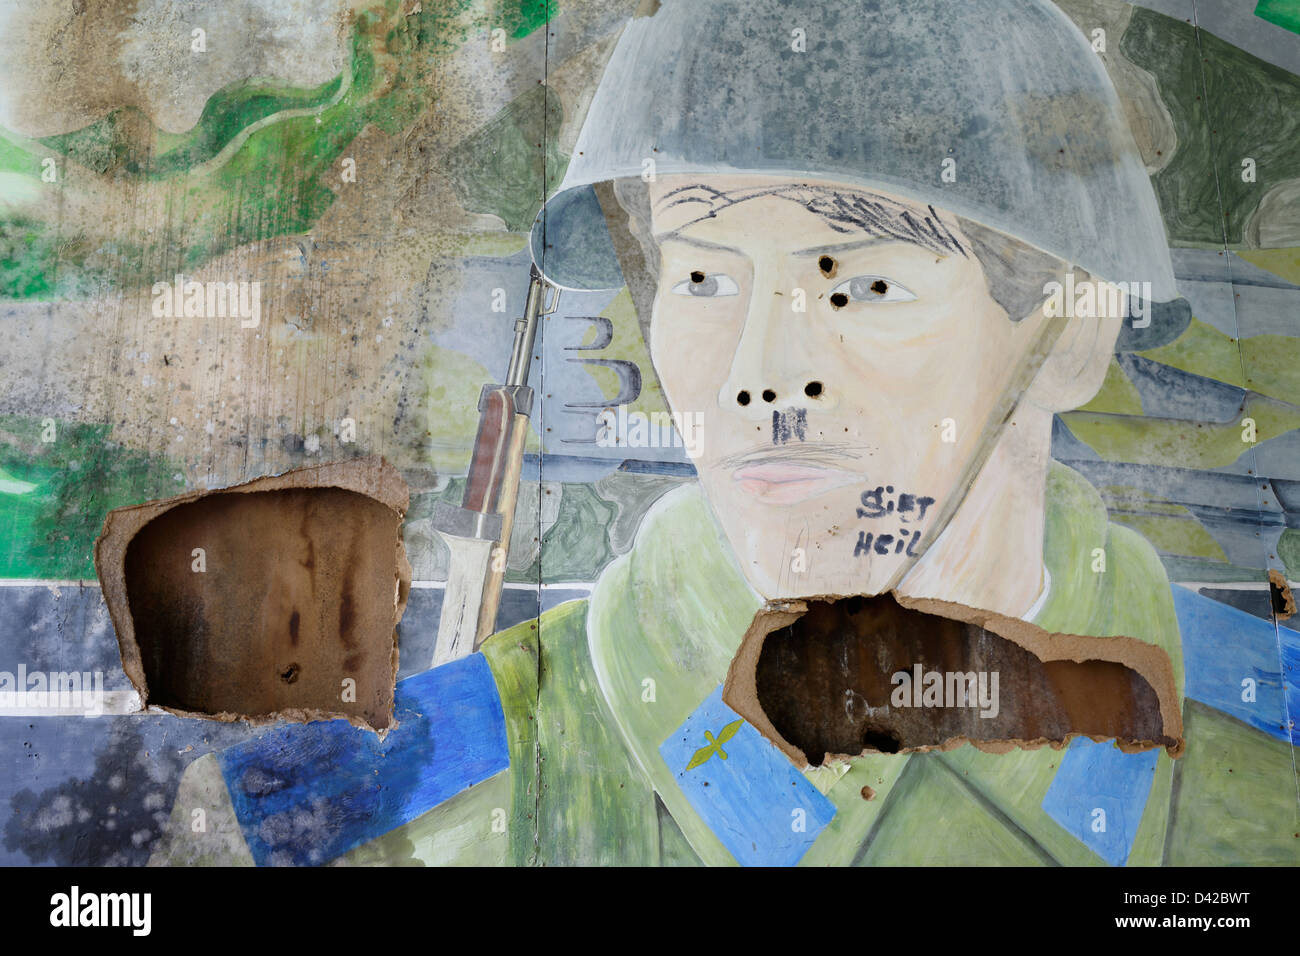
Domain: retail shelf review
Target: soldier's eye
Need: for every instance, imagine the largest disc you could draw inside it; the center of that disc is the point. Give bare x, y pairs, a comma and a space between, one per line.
869, 289
707, 286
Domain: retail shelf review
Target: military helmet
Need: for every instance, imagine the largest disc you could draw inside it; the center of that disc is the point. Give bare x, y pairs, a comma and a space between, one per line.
875, 94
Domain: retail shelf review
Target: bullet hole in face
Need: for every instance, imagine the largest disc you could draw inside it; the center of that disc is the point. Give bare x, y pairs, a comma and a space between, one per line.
743, 398
880, 287
290, 673
827, 265
839, 300
702, 285
812, 389
769, 396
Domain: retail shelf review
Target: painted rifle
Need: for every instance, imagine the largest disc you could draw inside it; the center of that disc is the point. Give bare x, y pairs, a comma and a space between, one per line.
477, 531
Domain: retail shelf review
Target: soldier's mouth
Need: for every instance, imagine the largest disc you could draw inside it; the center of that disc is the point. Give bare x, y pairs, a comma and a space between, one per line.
783, 482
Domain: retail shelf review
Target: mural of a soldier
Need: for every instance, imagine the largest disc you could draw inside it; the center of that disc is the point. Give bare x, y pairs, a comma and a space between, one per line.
840, 224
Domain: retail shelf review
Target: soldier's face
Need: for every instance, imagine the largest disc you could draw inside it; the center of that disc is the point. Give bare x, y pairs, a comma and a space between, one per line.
844, 354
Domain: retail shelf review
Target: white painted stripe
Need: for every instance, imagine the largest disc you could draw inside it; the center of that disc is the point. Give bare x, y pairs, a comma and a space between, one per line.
587, 585
46, 583
1231, 585
72, 583
519, 586
112, 703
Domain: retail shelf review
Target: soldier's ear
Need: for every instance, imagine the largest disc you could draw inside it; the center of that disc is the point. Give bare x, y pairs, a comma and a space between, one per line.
1073, 371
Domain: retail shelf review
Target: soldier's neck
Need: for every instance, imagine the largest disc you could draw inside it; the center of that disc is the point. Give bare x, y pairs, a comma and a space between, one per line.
991, 554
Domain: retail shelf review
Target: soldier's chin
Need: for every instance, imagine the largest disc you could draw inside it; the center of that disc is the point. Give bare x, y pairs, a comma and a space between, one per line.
796, 579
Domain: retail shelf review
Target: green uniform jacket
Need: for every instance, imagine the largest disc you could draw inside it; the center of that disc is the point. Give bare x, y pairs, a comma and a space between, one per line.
592, 689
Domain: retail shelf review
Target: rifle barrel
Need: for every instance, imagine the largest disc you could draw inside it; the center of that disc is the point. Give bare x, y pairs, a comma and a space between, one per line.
526, 331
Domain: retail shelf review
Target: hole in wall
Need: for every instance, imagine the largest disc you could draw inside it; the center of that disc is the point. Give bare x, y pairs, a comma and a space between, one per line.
838, 677
261, 604
307, 569
1280, 596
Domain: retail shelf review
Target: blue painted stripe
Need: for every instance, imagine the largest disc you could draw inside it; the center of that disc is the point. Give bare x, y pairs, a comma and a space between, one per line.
1099, 794
59, 628
1290, 682
1224, 646
764, 811
306, 793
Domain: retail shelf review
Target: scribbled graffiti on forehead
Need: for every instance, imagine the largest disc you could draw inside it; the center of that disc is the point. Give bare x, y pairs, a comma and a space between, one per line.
846, 211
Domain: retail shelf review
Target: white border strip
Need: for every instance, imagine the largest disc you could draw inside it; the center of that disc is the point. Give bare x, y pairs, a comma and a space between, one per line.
1231, 585
46, 583
112, 703
511, 586
514, 586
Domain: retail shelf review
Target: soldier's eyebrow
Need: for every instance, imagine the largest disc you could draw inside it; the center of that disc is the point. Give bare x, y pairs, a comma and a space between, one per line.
678, 196
844, 209
847, 246
677, 235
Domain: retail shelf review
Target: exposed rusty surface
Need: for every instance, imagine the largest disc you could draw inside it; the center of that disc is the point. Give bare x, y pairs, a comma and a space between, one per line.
818, 678
299, 587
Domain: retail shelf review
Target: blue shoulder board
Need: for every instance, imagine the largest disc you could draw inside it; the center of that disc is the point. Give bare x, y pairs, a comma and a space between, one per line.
306, 793
1240, 664
759, 805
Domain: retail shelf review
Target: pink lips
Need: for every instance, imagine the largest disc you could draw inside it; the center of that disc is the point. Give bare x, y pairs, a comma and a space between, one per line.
783, 483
